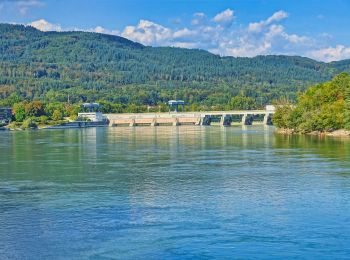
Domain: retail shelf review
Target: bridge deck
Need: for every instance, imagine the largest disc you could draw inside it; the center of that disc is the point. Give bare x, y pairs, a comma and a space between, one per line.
196, 118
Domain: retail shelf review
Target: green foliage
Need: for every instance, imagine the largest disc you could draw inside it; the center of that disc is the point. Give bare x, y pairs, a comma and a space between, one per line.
133, 108
43, 111
50, 108
19, 111
10, 100
324, 107
347, 109
43, 120
242, 103
282, 116
34, 109
50, 66
110, 107
29, 123
57, 115
73, 117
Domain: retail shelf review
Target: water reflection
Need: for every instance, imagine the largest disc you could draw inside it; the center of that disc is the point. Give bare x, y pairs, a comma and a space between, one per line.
161, 192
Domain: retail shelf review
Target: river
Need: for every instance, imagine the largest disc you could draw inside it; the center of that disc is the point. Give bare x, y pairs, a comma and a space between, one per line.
173, 192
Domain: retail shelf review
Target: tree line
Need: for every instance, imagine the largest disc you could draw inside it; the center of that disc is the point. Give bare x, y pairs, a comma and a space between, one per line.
50, 66
323, 107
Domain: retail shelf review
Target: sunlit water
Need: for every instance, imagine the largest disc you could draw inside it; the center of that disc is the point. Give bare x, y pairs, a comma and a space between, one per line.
173, 192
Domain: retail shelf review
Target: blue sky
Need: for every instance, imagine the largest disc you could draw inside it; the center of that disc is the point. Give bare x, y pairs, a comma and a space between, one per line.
315, 29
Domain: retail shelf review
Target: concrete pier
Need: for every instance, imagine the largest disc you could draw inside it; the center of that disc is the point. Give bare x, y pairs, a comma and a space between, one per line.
189, 118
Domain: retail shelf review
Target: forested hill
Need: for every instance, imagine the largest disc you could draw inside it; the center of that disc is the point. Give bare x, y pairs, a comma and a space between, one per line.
91, 66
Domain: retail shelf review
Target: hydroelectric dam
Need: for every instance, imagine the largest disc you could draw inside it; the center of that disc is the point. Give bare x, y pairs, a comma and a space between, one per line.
224, 118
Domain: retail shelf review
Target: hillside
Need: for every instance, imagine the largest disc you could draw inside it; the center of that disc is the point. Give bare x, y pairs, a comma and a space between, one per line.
91, 66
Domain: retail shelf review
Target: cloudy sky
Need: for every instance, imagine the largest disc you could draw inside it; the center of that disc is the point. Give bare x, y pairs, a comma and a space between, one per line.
313, 28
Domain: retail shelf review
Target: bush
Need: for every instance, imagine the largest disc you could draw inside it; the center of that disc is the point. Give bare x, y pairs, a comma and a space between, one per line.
28, 123
242, 103
73, 117
57, 115
19, 111
14, 125
43, 120
324, 107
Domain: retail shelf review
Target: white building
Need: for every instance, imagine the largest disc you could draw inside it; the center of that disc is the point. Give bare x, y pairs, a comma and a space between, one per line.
91, 116
270, 108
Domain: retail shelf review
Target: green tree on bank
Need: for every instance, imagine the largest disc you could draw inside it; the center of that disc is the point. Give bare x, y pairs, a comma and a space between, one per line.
242, 103
77, 67
324, 107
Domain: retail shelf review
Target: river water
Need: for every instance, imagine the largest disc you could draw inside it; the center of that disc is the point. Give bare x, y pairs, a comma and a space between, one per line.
173, 192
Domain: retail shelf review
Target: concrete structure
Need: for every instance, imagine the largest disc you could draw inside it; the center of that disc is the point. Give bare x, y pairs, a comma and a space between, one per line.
271, 108
176, 103
91, 112
224, 118
92, 116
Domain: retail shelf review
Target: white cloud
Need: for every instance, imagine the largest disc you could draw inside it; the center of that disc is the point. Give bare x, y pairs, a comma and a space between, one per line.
147, 32
45, 26
267, 37
331, 53
224, 17
257, 38
100, 29
276, 17
24, 5
183, 33
198, 18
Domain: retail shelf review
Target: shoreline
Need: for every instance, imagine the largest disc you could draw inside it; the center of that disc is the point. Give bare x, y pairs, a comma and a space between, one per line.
66, 125
336, 133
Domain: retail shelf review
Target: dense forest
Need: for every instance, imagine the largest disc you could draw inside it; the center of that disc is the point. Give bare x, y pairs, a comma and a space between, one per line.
323, 107
86, 67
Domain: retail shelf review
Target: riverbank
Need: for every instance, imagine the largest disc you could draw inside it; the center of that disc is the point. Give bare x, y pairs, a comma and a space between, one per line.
336, 133
64, 125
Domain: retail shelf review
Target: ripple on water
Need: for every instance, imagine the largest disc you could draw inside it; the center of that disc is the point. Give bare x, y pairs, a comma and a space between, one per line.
165, 192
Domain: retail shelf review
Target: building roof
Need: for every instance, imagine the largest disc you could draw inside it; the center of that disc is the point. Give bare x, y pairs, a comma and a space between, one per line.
176, 102
91, 105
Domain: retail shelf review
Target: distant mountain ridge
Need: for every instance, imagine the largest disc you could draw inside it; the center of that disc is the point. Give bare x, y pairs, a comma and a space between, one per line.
91, 66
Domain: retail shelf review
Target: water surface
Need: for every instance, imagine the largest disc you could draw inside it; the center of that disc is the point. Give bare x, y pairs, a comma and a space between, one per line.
173, 192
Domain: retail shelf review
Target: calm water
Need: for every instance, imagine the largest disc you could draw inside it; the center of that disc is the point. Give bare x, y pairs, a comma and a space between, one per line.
173, 192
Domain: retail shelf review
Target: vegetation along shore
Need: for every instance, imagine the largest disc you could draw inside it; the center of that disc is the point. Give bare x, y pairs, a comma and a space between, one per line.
46, 76
323, 109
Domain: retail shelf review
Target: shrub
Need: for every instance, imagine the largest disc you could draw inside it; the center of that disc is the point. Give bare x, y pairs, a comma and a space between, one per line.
28, 123
43, 120
57, 115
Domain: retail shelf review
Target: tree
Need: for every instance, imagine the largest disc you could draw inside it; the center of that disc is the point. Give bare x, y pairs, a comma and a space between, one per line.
10, 100
323, 107
125, 72
242, 103
347, 110
52, 106
19, 111
28, 123
34, 108
57, 115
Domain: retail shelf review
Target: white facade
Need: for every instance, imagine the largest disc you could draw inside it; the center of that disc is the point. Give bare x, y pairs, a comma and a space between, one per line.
270, 108
92, 116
